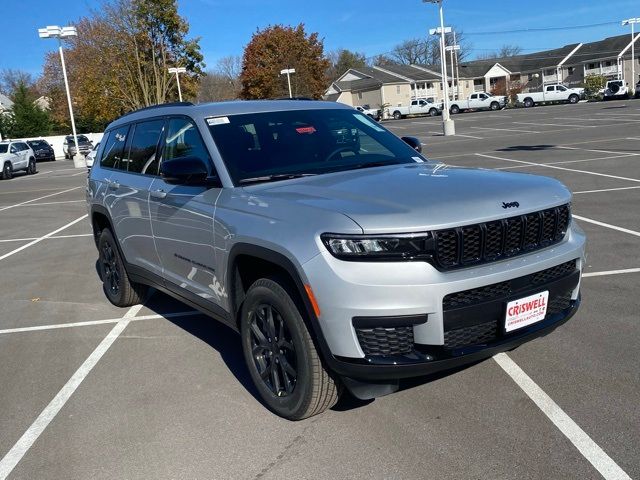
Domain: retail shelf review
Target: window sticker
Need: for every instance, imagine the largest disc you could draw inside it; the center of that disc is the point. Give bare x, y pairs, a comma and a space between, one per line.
218, 121
418, 159
302, 130
367, 121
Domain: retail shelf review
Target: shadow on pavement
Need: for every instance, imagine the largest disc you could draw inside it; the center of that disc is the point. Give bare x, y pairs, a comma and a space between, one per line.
526, 148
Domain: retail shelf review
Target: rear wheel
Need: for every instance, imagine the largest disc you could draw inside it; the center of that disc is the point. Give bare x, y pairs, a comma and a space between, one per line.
574, 98
281, 356
528, 102
397, 115
117, 286
31, 169
7, 171
455, 109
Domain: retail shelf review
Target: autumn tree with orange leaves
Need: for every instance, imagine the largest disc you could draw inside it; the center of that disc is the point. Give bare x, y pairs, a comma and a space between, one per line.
276, 48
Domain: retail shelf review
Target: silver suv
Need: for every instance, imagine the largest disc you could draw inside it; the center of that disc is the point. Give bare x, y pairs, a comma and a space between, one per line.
341, 255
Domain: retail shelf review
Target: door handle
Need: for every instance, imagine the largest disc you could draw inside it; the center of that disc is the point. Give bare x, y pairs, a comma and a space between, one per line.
160, 194
114, 185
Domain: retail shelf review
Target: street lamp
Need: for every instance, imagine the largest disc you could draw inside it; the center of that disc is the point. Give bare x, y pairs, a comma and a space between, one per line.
632, 22
456, 78
53, 31
288, 72
178, 70
448, 126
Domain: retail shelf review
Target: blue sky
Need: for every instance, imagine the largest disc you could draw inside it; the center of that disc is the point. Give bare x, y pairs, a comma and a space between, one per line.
371, 27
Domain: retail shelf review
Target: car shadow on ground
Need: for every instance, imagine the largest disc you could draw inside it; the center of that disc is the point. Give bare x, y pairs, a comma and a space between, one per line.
526, 148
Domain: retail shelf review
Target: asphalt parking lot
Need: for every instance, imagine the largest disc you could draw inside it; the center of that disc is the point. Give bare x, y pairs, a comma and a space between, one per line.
93, 391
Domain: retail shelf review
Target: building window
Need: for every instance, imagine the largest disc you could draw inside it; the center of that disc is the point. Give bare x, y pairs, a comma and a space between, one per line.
571, 70
397, 89
429, 86
592, 66
549, 72
359, 95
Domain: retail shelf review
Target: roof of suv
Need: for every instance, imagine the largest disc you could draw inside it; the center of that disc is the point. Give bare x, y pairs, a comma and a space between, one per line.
235, 107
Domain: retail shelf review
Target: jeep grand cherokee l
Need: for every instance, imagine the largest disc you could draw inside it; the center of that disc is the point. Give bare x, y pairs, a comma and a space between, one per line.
341, 255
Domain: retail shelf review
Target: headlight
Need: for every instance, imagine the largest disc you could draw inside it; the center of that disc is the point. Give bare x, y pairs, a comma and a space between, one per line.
411, 246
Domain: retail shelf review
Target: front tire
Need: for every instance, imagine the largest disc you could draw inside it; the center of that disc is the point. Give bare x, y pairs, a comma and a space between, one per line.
31, 169
433, 112
7, 171
117, 286
574, 98
281, 357
495, 106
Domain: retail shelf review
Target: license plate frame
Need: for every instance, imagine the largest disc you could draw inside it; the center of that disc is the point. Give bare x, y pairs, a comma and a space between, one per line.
525, 311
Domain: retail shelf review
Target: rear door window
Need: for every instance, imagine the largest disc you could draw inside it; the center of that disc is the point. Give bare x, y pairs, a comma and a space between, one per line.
144, 143
114, 149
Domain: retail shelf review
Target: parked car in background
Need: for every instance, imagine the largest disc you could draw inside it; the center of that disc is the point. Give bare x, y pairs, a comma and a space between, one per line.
92, 155
368, 111
16, 156
616, 89
69, 147
417, 107
549, 94
341, 255
478, 101
42, 150
637, 94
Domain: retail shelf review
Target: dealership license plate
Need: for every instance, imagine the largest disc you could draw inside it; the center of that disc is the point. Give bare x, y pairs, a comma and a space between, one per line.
525, 311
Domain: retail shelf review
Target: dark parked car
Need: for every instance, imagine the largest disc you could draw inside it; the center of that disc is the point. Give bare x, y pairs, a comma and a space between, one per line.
42, 150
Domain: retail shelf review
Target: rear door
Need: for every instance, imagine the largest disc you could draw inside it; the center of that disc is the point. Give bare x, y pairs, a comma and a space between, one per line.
134, 152
182, 218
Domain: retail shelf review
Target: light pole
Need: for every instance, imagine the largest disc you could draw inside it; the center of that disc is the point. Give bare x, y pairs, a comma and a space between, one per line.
632, 22
448, 126
178, 70
454, 49
288, 72
53, 31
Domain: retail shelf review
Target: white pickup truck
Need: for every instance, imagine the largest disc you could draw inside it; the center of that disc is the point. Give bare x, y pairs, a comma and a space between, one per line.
478, 101
551, 93
417, 107
370, 112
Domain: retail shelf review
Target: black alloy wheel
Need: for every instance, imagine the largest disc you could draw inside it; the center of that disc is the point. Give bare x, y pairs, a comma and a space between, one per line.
7, 171
273, 350
110, 271
31, 169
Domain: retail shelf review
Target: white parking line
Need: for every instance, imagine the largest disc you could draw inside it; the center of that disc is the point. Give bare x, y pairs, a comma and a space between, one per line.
606, 190
9, 240
468, 136
607, 467
571, 161
597, 151
2, 209
555, 124
89, 323
504, 129
39, 239
611, 272
546, 165
607, 225
52, 203
22, 446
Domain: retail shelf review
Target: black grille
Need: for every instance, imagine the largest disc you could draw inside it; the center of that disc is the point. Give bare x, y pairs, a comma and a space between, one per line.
484, 242
559, 303
504, 289
385, 341
474, 335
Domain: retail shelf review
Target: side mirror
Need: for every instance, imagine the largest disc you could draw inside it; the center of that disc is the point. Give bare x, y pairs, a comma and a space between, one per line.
187, 171
413, 142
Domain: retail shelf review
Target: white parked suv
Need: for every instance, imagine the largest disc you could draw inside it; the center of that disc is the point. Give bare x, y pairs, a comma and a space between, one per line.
616, 89
15, 156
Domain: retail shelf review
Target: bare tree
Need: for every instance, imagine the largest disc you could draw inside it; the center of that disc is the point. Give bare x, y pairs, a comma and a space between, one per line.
504, 51
223, 82
427, 51
11, 79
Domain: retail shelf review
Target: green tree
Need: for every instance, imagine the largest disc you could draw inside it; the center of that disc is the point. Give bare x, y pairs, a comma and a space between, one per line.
342, 60
593, 84
279, 47
26, 118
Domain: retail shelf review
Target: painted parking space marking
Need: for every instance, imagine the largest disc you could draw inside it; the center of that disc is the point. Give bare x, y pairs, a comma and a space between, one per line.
611, 272
504, 129
9, 240
22, 446
606, 190
564, 162
89, 323
607, 467
546, 165
607, 225
563, 147
44, 237
2, 209
52, 203
555, 124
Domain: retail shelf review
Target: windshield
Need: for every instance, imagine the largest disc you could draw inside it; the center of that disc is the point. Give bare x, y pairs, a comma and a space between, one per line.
4, 147
304, 142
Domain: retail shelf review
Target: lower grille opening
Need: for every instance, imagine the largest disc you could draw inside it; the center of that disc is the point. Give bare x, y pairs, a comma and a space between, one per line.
381, 341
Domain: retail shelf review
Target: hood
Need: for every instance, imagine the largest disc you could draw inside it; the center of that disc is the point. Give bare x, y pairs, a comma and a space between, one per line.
418, 197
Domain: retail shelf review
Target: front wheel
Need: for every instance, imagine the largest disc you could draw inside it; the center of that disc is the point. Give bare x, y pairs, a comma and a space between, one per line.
31, 169
281, 356
433, 112
495, 106
574, 98
7, 171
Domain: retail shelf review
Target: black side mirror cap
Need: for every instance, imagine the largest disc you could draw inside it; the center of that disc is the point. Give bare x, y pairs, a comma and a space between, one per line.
187, 171
413, 142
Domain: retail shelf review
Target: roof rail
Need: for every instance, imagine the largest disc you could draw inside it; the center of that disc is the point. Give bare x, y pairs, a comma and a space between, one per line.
160, 105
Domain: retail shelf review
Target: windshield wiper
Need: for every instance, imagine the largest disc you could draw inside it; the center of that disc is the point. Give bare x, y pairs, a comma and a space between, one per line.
358, 166
274, 177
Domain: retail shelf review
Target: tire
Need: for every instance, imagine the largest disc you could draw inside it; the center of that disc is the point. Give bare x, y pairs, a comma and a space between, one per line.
433, 112
573, 98
7, 171
397, 115
303, 389
528, 103
31, 169
117, 286
494, 106
455, 109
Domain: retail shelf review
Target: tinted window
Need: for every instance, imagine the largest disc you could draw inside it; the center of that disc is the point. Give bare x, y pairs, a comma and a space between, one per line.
114, 148
142, 154
38, 144
304, 142
183, 140
22, 146
4, 147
